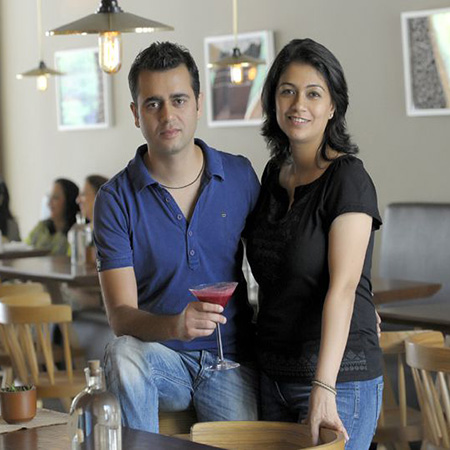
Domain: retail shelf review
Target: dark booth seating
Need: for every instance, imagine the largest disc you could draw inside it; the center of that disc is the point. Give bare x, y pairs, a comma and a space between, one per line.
415, 245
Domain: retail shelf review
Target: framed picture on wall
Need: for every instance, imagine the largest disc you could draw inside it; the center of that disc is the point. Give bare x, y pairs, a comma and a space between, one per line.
236, 104
83, 93
426, 58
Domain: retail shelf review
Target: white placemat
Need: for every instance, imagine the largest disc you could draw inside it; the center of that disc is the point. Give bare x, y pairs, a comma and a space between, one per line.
43, 418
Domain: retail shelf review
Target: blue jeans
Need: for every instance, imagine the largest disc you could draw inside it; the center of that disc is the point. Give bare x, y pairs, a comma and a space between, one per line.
358, 405
147, 377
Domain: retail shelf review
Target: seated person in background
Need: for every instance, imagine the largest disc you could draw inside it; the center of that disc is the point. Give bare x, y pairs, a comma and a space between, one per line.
87, 195
51, 234
90, 296
8, 226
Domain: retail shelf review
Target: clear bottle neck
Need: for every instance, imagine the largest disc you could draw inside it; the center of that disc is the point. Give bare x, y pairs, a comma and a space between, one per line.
80, 219
95, 379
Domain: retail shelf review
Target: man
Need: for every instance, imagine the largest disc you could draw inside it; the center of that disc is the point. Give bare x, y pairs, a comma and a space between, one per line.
173, 219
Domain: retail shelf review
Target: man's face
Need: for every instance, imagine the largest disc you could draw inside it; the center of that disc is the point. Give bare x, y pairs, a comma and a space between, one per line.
166, 110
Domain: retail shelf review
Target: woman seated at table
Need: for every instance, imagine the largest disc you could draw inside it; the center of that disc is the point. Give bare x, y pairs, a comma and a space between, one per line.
8, 225
51, 234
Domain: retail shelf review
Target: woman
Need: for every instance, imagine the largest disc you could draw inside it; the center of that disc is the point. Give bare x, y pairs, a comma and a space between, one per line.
8, 226
51, 234
310, 248
87, 196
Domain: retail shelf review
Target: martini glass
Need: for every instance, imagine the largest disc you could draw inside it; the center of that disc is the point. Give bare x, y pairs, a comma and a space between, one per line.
218, 293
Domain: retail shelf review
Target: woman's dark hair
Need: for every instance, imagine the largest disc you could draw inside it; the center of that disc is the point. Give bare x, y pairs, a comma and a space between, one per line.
71, 207
161, 56
5, 213
307, 51
96, 181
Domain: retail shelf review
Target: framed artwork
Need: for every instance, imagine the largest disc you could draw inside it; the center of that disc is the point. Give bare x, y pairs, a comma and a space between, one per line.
83, 93
231, 104
426, 58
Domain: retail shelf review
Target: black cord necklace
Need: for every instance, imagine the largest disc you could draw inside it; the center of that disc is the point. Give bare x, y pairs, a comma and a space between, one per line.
189, 184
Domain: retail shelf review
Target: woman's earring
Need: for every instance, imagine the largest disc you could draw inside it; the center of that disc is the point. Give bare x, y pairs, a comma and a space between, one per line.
331, 115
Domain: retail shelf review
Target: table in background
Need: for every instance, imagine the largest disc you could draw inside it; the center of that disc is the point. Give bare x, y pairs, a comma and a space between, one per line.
12, 254
387, 290
50, 270
55, 437
434, 316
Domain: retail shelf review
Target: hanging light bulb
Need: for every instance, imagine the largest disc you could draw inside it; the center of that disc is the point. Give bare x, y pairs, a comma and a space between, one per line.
42, 83
42, 72
109, 21
237, 62
110, 51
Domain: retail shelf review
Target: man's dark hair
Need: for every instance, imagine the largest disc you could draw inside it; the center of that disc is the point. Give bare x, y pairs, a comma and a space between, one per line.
161, 56
307, 51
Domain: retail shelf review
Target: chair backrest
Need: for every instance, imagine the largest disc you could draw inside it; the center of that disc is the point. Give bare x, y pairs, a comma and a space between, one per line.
430, 364
26, 332
29, 299
408, 426
18, 289
415, 244
248, 435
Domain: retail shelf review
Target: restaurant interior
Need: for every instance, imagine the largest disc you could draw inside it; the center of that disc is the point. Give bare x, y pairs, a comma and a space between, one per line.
404, 147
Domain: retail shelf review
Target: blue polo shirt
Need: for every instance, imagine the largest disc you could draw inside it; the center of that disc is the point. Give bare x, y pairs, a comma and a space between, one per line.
138, 224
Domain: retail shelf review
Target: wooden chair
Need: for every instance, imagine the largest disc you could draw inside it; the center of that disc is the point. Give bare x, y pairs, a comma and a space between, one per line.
27, 333
399, 423
248, 435
18, 289
430, 365
28, 299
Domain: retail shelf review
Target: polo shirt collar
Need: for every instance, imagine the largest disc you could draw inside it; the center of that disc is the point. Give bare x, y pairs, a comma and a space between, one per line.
141, 178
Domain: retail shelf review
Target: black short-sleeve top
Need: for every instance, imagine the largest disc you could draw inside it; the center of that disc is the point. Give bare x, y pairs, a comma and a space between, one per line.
288, 253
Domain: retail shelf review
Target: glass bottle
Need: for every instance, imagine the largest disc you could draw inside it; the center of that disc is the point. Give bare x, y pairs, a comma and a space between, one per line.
79, 237
95, 420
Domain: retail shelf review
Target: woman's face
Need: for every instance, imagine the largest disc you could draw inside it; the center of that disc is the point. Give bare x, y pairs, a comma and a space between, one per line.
303, 104
86, 201
57, 203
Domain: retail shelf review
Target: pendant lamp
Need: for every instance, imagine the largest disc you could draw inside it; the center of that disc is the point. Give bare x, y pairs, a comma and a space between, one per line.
237, 62
42, 72
109, 21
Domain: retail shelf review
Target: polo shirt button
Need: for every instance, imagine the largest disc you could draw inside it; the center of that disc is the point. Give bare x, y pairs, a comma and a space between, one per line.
167, 199
190, 233
192, 252
179, 217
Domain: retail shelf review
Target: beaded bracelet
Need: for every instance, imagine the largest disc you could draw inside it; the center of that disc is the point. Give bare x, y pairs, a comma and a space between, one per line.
324, 386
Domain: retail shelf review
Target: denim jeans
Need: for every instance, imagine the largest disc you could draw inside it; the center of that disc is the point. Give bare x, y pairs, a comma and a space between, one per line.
358, 405
147, 377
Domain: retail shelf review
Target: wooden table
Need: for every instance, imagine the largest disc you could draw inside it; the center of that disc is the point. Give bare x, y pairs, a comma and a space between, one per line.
55, 437
387, 290
51, 271
435, 316
49, 268
12, 254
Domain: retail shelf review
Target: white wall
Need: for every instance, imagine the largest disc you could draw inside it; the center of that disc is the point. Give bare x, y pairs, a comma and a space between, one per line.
408, 158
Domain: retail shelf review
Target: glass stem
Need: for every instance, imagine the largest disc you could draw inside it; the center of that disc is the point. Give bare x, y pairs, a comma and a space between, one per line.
219, 343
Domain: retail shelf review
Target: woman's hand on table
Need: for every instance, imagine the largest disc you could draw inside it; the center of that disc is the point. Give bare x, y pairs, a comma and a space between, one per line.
323, 413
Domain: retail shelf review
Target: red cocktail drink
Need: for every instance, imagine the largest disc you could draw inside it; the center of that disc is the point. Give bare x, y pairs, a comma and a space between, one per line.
219, 294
